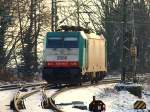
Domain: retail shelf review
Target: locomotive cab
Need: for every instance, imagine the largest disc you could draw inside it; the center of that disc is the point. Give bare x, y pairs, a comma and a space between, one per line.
71, 57
61, 57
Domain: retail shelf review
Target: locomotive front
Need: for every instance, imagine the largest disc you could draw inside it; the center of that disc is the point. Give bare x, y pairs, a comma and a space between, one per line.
61, 57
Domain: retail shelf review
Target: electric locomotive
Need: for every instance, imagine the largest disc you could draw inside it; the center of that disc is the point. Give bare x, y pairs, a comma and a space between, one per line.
72, 57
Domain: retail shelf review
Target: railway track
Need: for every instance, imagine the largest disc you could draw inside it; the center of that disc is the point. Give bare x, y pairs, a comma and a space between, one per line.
48, 102
52, 98
7, 93
18, 101
17, 86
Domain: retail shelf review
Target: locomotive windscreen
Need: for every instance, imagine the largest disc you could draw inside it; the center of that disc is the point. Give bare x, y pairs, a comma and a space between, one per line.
54, 43
67, 42
70, 42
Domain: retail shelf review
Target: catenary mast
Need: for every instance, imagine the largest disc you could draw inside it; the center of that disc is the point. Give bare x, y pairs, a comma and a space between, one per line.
54, 17
129, 50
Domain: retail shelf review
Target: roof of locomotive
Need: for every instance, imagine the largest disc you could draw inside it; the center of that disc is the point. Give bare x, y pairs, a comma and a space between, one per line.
58, 34
75, 34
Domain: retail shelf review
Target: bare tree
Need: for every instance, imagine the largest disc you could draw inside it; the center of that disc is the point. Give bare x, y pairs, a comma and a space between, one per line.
23, 24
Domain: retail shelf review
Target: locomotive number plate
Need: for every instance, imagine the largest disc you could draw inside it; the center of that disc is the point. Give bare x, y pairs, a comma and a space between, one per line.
61, 57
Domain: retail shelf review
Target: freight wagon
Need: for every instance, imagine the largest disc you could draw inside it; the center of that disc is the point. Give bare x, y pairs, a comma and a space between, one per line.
73, 57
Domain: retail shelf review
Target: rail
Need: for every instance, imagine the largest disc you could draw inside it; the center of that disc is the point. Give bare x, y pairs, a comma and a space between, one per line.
57, 109
16, 86
18, 103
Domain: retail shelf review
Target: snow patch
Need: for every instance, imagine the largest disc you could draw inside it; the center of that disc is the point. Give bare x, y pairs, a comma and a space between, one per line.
115, 101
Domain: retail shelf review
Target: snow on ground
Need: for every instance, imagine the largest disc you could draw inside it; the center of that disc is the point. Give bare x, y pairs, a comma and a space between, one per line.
33, 103
115, 101
5, 98
49, 93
